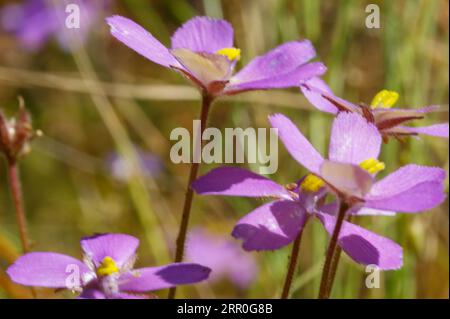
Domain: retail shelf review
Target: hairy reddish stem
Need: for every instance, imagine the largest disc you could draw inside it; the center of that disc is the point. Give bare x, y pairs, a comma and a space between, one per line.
181, 239
292, 266
16, 191
325, 283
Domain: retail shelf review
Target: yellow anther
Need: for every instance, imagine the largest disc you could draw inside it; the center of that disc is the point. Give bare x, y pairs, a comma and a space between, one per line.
372, 165
231, 53
312, 183
107, 267
384, 99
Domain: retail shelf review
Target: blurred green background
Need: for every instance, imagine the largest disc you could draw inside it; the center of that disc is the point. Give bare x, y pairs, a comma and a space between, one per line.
104, 97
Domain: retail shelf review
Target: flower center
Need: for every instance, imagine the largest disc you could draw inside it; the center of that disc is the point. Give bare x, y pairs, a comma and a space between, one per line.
231, 53
107, 267
384, 99
312, 183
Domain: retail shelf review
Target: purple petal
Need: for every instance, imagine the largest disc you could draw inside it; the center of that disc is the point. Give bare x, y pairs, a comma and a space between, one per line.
410, 189
232, 181
353, 139
92, 294
296, 144
348, 179
313, 90
439, 130
281, 60
44, 269
120, 247
141, 41
216, 252
271, 226
278, 81
365, 247
155, 278
203, 34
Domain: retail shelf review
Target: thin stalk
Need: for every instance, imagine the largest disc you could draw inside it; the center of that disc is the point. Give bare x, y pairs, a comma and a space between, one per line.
181, 239
292, 266
16, 191
325, 281
335, 263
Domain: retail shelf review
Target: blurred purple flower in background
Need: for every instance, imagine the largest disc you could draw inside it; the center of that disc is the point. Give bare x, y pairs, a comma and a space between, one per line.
151, 165
354, 147
223, 256
35, 22
106, 271
202, 50
388, 120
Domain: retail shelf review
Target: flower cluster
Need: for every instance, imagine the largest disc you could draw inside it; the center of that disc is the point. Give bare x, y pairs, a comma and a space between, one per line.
341, 185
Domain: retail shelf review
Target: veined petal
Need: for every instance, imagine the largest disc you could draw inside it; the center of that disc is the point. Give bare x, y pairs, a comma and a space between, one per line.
281, 60
346, 178
278, 81
363, 246
140, 40
45, 269
410, 189
296, 144
203, 34
155, 278
365, 211
353, 139
120, 247
271, 226
314, 90
232, 181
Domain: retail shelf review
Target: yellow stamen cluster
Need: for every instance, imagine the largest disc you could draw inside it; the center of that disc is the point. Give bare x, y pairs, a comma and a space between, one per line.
312, 183
384, 99
231, 53
372, 165
107, 267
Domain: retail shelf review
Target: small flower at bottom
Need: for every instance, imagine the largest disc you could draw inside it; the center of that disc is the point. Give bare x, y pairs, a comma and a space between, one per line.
105, 272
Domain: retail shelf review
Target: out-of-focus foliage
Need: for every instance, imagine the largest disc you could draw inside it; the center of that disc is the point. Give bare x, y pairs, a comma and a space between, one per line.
70, 191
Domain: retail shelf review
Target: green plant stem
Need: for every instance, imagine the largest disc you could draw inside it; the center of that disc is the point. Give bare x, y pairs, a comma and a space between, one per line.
181, 239
325, 286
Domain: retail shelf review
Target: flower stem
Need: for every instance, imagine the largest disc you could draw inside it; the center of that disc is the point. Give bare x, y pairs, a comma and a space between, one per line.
181, 239
335, 263
16, 190
325, 281
292, 265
